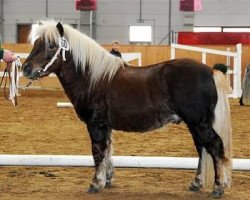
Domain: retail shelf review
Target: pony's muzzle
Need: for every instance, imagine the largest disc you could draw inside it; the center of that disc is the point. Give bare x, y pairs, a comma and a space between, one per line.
27, 69
29, 72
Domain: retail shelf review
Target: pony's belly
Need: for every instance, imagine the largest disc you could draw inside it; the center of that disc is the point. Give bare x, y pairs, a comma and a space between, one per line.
170, 119
143, 124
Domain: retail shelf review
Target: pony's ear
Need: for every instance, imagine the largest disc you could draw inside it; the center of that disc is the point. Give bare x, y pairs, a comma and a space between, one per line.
40, 23
60, 29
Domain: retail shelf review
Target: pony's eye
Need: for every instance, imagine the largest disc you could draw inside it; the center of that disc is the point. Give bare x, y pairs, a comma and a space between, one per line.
51, 45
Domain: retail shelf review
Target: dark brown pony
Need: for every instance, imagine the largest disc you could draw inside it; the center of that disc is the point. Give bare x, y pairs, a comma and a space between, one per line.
109, 94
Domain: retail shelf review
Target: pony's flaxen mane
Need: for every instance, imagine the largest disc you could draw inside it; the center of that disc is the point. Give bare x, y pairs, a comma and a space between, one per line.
85, 51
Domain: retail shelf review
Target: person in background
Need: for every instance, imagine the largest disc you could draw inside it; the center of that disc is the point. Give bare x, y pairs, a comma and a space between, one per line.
115, 49
245, 97
7, 55
223, 68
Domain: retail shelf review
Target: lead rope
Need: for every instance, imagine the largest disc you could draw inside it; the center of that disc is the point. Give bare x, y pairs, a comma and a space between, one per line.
11, 73
14, 80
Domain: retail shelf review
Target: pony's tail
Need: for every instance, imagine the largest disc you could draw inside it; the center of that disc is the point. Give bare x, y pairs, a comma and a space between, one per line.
222, 126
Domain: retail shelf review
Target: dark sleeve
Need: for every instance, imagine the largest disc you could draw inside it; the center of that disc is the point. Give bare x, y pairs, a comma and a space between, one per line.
113, 52
120, 55
1, 53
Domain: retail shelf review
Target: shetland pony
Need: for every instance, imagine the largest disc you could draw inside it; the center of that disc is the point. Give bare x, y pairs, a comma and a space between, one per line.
109, 94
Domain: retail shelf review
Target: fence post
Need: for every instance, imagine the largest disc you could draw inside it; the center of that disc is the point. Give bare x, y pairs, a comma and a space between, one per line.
204, 58
238, 70
172, 53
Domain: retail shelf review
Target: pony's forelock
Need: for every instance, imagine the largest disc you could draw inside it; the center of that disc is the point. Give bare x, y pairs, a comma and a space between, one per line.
44, 29
85, 51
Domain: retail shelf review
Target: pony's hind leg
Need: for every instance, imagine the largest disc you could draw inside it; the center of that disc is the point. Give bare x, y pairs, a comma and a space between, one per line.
196, 184
214, 146
100, 136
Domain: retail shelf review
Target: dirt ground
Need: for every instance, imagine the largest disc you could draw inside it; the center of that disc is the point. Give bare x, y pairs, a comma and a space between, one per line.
36, 126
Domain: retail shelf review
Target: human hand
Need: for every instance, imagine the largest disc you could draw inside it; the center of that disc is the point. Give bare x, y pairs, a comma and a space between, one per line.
8, 56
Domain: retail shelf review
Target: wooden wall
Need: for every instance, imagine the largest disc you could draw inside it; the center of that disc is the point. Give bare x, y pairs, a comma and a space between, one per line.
155, 53
150, 55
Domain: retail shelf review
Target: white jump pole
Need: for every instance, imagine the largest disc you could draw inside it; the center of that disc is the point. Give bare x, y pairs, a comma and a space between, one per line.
119, 161
64, 105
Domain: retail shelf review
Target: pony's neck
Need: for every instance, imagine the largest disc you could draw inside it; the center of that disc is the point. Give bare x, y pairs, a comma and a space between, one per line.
72, 81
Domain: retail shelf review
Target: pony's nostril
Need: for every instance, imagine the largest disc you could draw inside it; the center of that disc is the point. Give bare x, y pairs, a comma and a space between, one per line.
27, 68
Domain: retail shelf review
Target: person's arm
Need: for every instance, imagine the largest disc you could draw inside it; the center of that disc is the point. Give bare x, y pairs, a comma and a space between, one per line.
1, 53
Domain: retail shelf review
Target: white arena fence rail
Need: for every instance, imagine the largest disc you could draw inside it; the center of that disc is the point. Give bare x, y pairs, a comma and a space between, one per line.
132, 56
236, 72
119, 161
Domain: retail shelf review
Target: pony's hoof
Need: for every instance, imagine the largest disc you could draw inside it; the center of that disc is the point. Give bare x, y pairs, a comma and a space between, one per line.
108, 185
194, 187
218, 193
92, 189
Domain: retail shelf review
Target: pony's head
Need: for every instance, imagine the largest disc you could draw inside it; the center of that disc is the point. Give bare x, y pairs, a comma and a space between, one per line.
48, 53
52, 40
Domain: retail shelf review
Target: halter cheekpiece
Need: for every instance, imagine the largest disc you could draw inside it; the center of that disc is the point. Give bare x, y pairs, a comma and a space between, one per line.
63, 47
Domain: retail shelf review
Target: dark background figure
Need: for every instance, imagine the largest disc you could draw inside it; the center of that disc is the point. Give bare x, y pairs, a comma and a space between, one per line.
219, 66
115, 49
223, 68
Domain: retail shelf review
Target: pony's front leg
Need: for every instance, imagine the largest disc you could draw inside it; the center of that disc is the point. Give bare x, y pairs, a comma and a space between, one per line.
109, 164
99, 135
